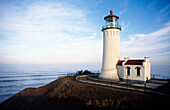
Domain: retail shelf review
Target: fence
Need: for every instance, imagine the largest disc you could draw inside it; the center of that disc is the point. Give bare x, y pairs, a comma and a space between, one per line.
82, 78
122, 85
70, 74
155, 76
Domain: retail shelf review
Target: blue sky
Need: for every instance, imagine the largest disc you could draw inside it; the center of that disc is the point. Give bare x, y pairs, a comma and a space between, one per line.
69, 31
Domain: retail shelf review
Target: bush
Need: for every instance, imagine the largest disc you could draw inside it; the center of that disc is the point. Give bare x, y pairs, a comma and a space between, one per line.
85, 72
79, 72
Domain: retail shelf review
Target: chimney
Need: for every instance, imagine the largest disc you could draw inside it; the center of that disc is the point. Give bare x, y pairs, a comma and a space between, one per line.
146, 59
126, 59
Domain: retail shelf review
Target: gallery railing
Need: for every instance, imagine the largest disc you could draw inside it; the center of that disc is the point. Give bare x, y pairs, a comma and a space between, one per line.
111, 26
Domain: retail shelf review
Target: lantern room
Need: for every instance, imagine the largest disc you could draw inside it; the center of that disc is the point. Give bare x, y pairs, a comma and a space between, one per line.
111, 21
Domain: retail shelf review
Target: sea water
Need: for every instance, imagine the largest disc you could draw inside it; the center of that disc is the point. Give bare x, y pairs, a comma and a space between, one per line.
15, 77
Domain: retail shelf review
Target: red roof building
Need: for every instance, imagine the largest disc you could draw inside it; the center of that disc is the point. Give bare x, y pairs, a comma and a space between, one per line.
134, 62
131, 62
134, 69
120, 62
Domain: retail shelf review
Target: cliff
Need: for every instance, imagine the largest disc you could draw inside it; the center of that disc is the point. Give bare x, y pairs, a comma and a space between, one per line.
67, 94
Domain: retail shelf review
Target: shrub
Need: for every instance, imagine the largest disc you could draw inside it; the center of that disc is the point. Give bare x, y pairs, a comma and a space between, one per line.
85, 72
79, 72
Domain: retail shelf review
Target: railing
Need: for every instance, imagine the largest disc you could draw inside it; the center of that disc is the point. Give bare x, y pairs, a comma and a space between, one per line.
111, 26
83, 78
146, 87
155, 76
70, 74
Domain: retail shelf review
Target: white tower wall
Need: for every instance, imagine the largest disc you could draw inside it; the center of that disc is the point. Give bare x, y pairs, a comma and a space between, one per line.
111, 53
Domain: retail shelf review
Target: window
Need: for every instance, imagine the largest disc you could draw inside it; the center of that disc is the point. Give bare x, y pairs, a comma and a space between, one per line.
110, 19
128, 71
138, 71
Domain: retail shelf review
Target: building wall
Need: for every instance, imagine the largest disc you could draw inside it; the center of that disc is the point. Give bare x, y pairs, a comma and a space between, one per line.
133, 72
122, 71
147, 65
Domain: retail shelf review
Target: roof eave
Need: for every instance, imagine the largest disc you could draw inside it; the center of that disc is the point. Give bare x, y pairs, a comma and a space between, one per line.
110, 16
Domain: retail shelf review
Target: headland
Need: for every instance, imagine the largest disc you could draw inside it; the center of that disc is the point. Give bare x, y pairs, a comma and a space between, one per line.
68, 94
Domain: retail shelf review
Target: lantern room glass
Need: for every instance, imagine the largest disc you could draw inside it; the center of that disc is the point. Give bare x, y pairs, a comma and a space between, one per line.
111, 22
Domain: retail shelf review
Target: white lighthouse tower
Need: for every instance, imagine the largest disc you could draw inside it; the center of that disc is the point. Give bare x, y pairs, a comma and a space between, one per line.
111, 47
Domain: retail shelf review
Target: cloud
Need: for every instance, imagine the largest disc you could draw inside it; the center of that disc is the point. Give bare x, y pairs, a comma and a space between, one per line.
44, 17
47, 32
163, 13
98, 2
163, 53
139, 35
152, 44
124, 7
124, 25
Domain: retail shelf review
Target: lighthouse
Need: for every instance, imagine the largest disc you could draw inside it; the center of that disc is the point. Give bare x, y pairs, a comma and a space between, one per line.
111, 47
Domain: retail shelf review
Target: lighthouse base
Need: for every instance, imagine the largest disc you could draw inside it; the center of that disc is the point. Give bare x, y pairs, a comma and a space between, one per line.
109, 74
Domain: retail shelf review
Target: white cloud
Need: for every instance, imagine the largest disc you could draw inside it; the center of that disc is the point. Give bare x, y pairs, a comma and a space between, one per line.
163, 13
139, 35
98, 2
162, 53
151, 44
124, 25
124, 7
47, 32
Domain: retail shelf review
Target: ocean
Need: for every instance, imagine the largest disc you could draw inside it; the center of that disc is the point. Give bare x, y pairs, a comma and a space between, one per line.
14, 78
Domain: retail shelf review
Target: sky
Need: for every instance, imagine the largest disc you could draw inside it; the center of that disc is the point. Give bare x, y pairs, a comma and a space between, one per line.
69, 31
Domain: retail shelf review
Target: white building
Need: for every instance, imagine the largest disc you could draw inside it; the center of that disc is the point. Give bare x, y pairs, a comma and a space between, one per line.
112, 66
134, 70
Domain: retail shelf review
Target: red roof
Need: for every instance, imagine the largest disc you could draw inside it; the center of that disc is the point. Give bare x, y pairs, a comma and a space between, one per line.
134, 62
120, 62
111, 15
